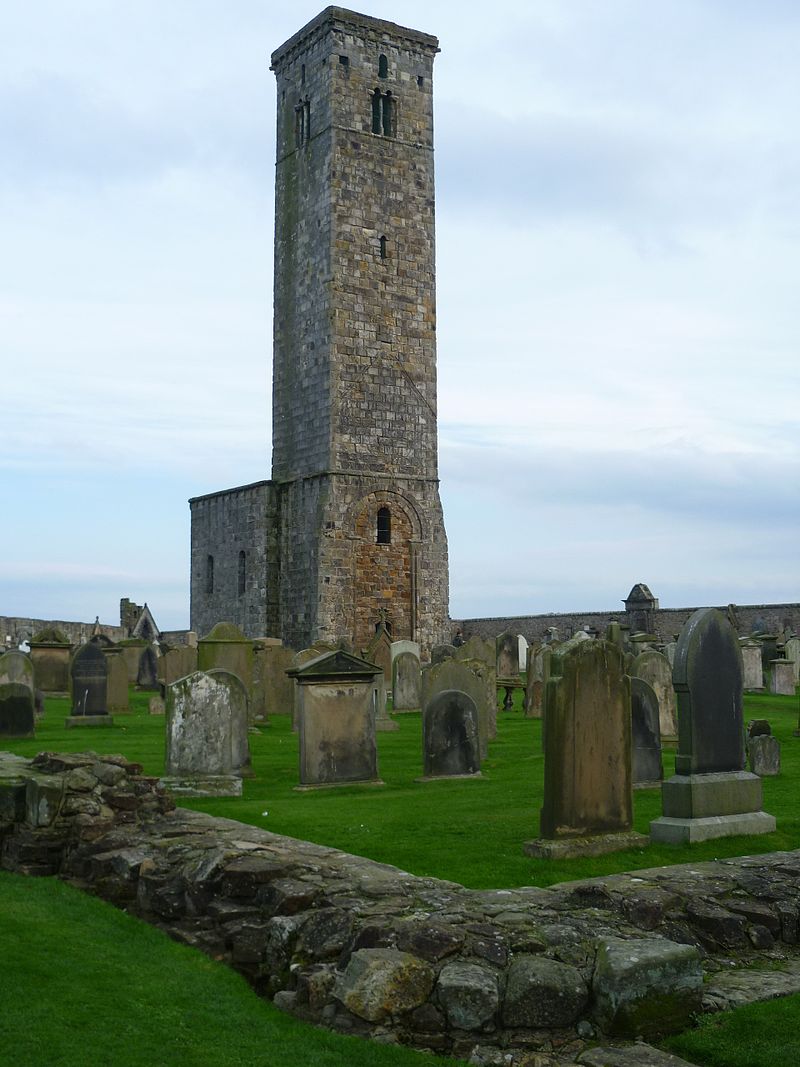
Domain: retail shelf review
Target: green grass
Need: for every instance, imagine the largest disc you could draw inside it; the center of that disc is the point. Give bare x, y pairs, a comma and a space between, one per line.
467, 831
759, 1035
83, 984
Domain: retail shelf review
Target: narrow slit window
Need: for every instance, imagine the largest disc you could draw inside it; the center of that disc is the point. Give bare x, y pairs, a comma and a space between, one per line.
384, 532
383, 67
388, 115
209, 574
242, 571
303, 74
382, 242
302, 122
377, 125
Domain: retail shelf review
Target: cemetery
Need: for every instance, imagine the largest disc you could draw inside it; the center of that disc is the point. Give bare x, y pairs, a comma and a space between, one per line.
539, 842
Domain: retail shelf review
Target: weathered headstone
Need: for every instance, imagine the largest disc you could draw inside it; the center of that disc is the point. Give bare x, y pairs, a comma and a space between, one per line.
588, 801
791, 652
17, 667
207, 749
273, 661
16, 710
711, 794
439, 653
147, 675
379, 651
507, 664
259, 698
476, 647
177, 662
753, 669
336, 720
156, 706
50, 654
669, 651
118, 697
538, 673
522, 661
132, 649
466, 676
647, 770
450, 736
781, 678
226, 648
406, 681
654, 668
763, 750
89, 677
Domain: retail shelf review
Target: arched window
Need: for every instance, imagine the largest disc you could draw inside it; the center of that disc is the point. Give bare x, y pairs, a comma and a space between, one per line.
382, 242
383, 113
384, 531
388, 115
242, 571
383, 67
376, 112
209, 574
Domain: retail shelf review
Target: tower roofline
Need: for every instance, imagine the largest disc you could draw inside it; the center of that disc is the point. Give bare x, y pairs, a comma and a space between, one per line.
341, 16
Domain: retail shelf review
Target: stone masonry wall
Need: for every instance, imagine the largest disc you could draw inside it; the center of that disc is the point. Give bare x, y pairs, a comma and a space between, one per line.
368, 949
223, 526
15, 629
751, 618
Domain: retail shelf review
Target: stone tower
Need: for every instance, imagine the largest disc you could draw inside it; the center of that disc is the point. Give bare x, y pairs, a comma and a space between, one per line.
349, 531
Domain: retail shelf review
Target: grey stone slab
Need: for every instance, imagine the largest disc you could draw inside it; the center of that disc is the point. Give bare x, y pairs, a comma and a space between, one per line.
451, 746
595, 845
698, 796
688, 831
764, 755
635, 1055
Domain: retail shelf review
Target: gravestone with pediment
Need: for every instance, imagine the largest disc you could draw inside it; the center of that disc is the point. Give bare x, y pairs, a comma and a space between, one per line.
588, 799
711, 794
336, 720
207, 749
753, 668
654, 668
50, 655
451, 748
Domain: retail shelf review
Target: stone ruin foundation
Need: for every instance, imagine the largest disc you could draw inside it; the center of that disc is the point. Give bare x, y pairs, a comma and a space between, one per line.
367, 949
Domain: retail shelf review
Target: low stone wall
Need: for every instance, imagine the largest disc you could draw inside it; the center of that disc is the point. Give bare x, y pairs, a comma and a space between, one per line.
368, 949
765, 618
15, 629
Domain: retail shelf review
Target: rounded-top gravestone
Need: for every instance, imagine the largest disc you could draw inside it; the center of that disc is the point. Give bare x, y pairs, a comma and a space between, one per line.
17, 667
645, 734
708, 678
450, 735
226, 648
654, 668
89, 674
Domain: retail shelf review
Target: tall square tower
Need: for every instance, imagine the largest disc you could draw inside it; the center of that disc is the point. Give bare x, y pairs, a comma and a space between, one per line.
357, 529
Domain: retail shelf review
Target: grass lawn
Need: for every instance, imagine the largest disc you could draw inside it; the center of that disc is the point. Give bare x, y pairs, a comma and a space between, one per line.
83, 983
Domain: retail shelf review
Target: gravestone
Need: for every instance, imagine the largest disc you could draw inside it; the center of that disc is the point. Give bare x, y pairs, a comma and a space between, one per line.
781, 678
273, 662
132, 649
473, 678
647, 770
147, 675
753, 669
406, 679
156, 705
18, 668
379, 651
476, 647
177, 663
207, 749
118, 697
522, 661
336, 720
259, 697
89, 678
507, 661
226, 648
50, 654
711, 794
763, 750
669, 651
791, 652
538, 673
654, 668
16, 710
450, 736
588, 801
439, 653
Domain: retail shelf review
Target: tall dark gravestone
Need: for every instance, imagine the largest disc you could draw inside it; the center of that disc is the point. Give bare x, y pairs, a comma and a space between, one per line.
711, 794
451, 747
16, 710
645, 735
89, 674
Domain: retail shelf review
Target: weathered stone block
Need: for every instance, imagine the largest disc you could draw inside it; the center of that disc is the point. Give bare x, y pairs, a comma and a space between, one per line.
382, 982
645, 988
543, 992
468, 994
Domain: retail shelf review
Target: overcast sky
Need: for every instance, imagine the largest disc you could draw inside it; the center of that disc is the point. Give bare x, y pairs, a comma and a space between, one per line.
618, 255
